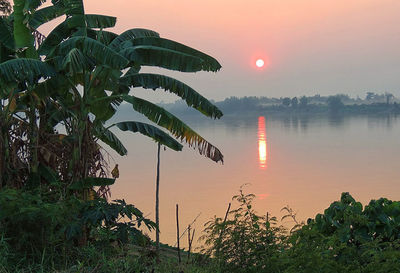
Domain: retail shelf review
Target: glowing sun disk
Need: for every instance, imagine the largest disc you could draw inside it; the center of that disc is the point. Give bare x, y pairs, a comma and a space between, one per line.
260, 63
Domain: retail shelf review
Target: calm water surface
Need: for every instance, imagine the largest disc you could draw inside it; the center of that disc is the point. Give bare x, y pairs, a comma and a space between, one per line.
304, 162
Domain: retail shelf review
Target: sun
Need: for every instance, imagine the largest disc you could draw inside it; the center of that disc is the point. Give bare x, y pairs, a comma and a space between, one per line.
260, 63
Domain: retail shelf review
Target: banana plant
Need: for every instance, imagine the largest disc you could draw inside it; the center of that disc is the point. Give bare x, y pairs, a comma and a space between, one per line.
101, 69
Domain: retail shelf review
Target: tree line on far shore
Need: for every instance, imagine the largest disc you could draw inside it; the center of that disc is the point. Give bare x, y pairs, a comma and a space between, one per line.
373, 103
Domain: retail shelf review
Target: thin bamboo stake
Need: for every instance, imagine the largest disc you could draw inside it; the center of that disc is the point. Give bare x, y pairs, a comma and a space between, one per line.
177, 232
222, 231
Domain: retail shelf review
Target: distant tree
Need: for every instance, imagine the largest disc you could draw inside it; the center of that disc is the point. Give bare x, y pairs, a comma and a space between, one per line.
388, 96
286, 101
303, 101
370, 96
295, 102
334, 103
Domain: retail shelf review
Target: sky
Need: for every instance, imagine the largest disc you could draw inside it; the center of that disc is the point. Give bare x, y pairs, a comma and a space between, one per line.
309, 46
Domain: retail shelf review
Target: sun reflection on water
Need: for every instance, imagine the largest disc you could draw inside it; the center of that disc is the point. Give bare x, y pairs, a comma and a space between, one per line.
262, 143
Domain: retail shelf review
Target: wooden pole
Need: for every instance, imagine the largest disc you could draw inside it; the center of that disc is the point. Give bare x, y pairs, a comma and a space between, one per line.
189, 246
177, 232
158, 206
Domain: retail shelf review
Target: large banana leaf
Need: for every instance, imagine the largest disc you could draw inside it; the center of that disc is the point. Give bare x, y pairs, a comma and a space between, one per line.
94, 49
150, 131
29, 70
105, 37
192, 98
55, 37
131, 34
6, 36
100, 21
74, 7
178, 128
45, 15
208, 64
161, 57
110, 139
76, 62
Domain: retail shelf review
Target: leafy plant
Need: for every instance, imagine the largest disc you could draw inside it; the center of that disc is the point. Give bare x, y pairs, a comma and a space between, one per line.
245, 242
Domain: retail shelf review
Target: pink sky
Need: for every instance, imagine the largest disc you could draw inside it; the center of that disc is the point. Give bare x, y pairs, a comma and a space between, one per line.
311, 46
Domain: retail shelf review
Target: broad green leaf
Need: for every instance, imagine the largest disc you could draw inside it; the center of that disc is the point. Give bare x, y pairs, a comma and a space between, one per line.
131, 34
192, 98
161, 57
100, 21
178, 128
105, 37
208, 62
75, 62
110, 139
150, 131
55, 37
45, 15
91, 182
21, 69
94, 49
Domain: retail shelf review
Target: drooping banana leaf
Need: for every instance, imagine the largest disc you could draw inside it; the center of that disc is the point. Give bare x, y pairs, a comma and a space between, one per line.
209, 63
105, 37
131, 34
100, 21
110, 139
161, 57
74, 7
150, 131
192, 98
94, 49
45, 15
178, 128
55, 37
76, 62
22, 69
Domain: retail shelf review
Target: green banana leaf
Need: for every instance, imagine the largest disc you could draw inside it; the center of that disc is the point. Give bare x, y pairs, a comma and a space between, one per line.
150, 131
178, 128
94, 49
192, 98
110, 139
45, 15
22, 69
209, 63
131, 34
100, 21
161, 57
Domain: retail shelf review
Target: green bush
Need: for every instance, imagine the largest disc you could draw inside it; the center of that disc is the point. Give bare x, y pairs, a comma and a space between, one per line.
245, 242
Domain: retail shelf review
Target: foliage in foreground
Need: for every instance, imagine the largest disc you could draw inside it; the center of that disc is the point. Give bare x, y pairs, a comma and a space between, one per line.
345, 238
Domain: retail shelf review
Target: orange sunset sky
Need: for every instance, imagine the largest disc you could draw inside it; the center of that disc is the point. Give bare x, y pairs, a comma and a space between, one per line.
310, 46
